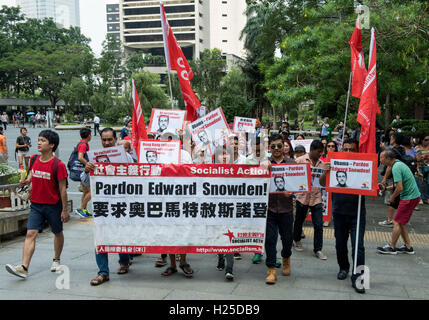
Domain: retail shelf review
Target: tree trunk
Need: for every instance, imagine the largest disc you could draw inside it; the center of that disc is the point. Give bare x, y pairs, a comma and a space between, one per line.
274, 118
387, 112
419, 111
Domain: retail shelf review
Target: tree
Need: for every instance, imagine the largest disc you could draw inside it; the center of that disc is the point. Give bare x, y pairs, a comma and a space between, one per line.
233, 98
208, 73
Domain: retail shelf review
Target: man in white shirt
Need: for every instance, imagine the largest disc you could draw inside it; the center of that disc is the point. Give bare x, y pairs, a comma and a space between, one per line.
96, 124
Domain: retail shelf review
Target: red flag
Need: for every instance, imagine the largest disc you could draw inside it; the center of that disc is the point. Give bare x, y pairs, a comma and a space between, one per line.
368, 108
176, 60
139, 127
357, 61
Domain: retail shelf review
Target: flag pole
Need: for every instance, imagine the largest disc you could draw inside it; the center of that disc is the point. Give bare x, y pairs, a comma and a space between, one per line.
166, 53
347, 107
357, 235
171, 91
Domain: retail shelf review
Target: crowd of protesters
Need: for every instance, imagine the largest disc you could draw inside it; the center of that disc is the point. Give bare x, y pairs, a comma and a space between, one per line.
406, 162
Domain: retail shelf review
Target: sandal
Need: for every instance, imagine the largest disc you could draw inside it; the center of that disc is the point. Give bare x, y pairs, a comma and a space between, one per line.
123, 269
99, 280
160, 262
169, 271
187, 270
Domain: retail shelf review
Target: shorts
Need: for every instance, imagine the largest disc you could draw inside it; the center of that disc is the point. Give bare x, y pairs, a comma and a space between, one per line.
39, 213
405, 210
24, 154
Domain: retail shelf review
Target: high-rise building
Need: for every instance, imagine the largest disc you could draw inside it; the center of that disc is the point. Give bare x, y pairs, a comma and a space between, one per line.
64, 12
197, 25
113, 20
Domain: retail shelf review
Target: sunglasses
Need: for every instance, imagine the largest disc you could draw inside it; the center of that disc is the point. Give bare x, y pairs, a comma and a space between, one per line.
279, 146
347, 149
331, 146
426, 140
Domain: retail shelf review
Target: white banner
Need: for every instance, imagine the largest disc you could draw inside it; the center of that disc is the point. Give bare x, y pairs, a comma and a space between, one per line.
244, 124
113, 154
290, 178
163, 120
163, 152
179, 208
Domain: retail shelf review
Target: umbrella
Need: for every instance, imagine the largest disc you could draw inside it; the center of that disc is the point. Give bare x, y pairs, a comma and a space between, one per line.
30, 113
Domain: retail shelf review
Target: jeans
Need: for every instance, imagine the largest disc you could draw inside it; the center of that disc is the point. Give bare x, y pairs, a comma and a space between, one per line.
423, 184
102, 260
283, 222
96, 128
316, 218
343, 226
229, 261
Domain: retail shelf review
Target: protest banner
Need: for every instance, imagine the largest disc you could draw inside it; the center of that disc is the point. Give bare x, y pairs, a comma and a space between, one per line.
163, 120
290, 178
161, 152
305, 143
352, 173
178, 209
201, 111
113, 154
244, 124
210, 131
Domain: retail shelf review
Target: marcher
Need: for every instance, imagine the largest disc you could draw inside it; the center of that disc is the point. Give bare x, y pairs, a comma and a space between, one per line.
279, 219
4, 120
423, 171
82, 149
344, 213
312, 201
330, 147
23, 145
96, 125
126, 131
3, 147
324, 131
48, 176
299, 151
108, 140
406, 188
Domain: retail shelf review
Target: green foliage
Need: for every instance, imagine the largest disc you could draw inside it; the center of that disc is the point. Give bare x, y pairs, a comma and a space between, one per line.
208, 73
413, 127
232, 98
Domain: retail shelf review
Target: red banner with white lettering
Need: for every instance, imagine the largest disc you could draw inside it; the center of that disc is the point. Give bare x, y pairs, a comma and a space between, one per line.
357, 60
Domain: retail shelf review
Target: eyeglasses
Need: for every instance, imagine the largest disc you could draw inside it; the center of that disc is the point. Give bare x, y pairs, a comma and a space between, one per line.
278, 146
331, 146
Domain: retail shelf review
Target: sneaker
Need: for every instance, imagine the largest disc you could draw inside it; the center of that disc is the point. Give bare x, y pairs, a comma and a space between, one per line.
237, 256
358, 290
387, 249
229, 276
257, 258
55, 265
320, 255
18, 271
404, 249
81, 213
342, 275
297, 245
220, 264
386, 223
88, 213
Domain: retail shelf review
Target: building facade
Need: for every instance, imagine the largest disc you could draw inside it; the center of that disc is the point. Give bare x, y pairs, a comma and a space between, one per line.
197, 25
113, 20
64, 12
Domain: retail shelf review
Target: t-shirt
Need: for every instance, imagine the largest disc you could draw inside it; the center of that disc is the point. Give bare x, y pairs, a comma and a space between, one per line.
21, 140
44, 186
402, 173
347, 204
2, 142
82, 147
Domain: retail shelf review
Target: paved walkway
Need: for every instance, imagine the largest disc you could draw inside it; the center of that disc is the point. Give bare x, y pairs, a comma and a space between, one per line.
391, 277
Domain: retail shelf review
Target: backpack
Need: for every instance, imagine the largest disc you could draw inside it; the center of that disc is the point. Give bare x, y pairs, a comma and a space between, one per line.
54, 169
74, 165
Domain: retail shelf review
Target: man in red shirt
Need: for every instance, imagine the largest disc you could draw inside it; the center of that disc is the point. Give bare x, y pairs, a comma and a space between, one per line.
48, 176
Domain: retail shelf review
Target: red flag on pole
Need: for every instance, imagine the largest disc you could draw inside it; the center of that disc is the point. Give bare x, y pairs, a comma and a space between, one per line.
176, 60
139, 127
368, 108
357, 60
